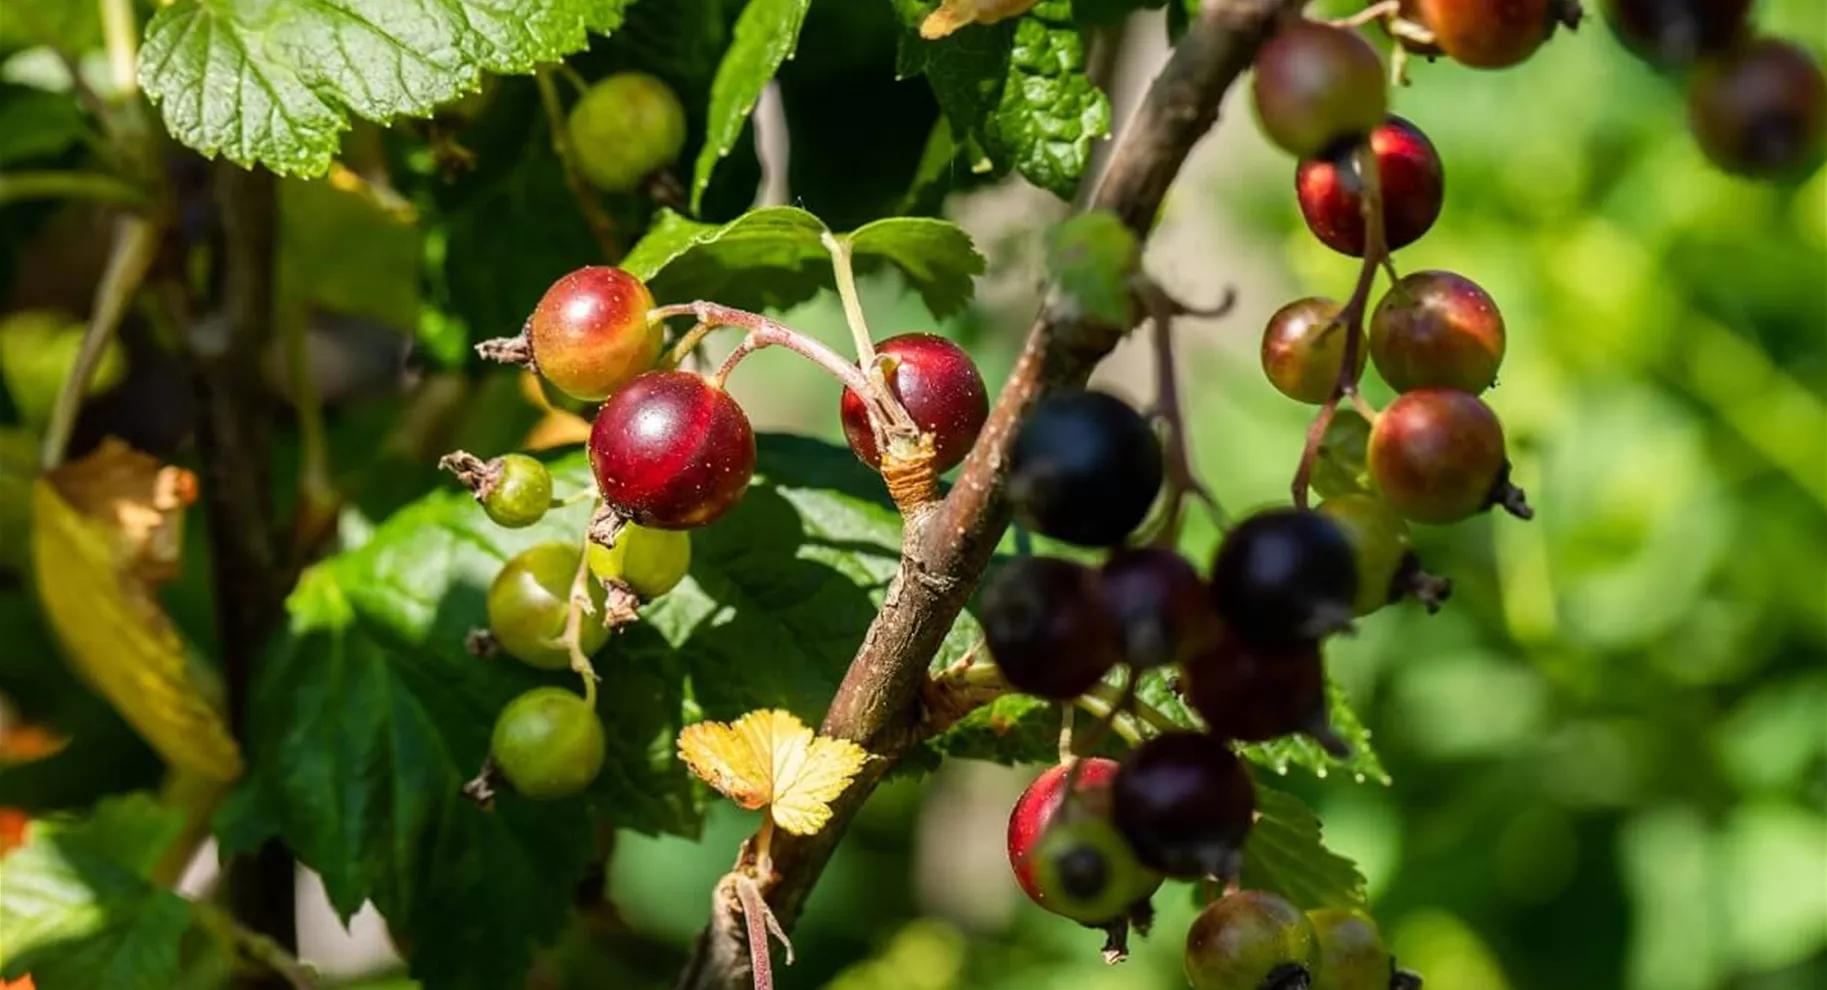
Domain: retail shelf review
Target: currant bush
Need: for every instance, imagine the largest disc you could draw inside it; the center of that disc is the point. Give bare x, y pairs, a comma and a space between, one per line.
1250, 940
1437, 329
548, 744
1085, 469
1411, 178
590, 333
940, 387
529, 603
672, 450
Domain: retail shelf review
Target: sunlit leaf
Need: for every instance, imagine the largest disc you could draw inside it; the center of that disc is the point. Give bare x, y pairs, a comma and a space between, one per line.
771, 759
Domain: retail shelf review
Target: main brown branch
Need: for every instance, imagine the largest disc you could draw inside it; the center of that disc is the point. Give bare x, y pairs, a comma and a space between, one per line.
948, 544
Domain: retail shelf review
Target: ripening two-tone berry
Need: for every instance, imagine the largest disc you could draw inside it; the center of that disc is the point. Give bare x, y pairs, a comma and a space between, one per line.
1761, 110
1284, 576
625, 128
590, 333
1303, 350
1318, 88
1045, 626
1410, 177
1069, 859
1085, 469
939, 386
1351, 954
1437, 329
1437, 456
530, 601
1493, 34
548, 743
1185, 803
1251, 940
672, 450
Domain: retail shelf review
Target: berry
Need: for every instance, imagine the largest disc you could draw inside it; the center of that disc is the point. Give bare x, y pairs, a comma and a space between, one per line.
590, 333
1409, 173
939, 386
1284, 576
650, 561
548, 743
1084, 870
1250, 940
1437, 455
1341, 466
1162, 610
519, 492
1761, 111
1303, 350
1437, 330
1672, 33
1351, 953
1493, 34
1254, 694
625, 128
1318, 87
1379, 541
1046, 628
1185, 803
1037, 807
672, 450
1085, 469
530, 601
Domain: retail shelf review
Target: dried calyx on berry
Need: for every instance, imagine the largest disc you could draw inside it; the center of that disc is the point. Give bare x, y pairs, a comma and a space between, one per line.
514, 489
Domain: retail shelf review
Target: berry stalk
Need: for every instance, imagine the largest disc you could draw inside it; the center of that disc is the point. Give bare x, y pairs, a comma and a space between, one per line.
601, 227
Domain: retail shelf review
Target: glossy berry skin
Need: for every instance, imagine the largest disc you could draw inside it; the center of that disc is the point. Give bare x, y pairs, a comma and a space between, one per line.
548, 743
1250, 940
651, 562
1412, 180
1351, 954
1162, 610
1437, 455
672, 450
1083, 870
1760, 111
1437, 329
1318, 87
1303, 350
1085, 469
625, 128
1379, 541
1040, 804
529, 602
1284, 576
1489, 34
1046, 628
1341, 466
520, 492
1254, 694
1673, 33
590, 332
1185, 803
939, 386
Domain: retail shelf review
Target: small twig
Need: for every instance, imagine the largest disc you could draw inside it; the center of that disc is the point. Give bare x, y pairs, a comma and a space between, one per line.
1374, 12
897, 421
94, 186
1182, 480
601, 227
763, 332
760, 922
136, 243
254, 946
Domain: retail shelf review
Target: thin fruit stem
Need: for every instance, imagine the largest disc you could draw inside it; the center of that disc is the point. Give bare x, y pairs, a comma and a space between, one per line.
1066, 749
136, 242
601, 227
1073, 749
763, 332
1182, 480
1147, 713
574, 624
1374, 12
254, 946
121, 35
1120, 722
898, 422
686, 345
95, 186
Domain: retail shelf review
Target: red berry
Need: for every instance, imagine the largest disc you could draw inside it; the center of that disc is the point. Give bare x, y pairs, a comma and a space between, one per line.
1039, 808
1185, 803
1318, 87
1437, 330
1437, 455
1303, 350
1254, 694
1673, 33
1761, 111
1493, 34
1162, 610
1412, 181
1046, 628
672, 450
590, 332
940, 387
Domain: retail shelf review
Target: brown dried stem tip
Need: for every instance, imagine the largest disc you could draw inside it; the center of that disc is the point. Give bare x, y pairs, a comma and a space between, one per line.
481, 790
516, 350
908, 469
1412, 580
476, 474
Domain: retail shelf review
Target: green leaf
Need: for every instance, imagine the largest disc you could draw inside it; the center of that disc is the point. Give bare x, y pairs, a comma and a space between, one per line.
1286, 854
1289, 751
36, 124
79, 909
69, 27
771, 258
1092, 258
274, 83
765, 36
1017, 90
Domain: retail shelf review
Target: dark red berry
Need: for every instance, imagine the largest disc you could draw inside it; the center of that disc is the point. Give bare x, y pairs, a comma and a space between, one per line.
1493, 34
941, 389
1285, 576
1162, 610
1251, 940
1761, 111
1254, 694
1040, 804
1412, 180
672, 450
1085, 469
1437, 330
1318, 87
1303, 349
1046, 628
590, 332
1437, 455
1673, 33
1185, 803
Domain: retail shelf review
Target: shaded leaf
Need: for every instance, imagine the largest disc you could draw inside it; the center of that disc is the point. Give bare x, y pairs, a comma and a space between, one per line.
1289, 751
765, 35
1092, 257
1286, 854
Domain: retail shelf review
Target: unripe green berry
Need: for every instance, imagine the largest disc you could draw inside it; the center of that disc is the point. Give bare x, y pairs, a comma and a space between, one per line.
548, 743
1085, 871
626, 127
1351, 952
519, 493
530, 602
650, 561
1379, 540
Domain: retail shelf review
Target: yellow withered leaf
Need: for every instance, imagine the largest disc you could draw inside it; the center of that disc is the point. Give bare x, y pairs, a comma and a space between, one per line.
955, 14
106, 531
769, 758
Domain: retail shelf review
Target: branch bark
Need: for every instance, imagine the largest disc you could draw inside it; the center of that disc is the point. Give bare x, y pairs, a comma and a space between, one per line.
948, 544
